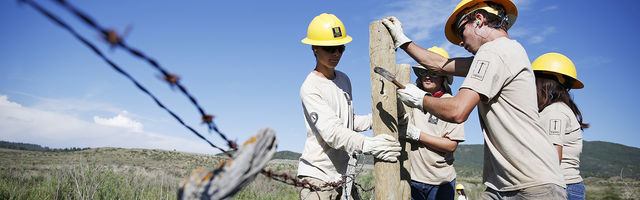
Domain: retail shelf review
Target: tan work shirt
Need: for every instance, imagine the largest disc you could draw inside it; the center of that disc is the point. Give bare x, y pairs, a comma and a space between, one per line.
331, 127
563, 128
427, 165
517, 152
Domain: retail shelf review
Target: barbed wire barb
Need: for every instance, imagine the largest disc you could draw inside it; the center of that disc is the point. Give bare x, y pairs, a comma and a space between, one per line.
118, 41
118, 69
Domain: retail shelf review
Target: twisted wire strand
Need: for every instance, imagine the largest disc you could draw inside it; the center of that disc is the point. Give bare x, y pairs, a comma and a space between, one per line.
114, 40
117, 68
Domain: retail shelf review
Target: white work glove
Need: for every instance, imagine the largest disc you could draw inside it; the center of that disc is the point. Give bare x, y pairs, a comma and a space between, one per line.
383, 147
395, 29
412, 96
413, 132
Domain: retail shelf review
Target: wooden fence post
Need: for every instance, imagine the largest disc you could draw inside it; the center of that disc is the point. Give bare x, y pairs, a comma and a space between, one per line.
385, 112
403, 75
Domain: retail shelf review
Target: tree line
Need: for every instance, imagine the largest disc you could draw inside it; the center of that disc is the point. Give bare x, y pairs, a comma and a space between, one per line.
35, 147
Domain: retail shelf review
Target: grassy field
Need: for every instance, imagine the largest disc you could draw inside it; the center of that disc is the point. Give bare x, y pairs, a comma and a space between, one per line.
112, 173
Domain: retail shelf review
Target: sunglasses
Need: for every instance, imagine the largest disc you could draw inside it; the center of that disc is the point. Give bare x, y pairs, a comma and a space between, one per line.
422, 73
461, 28
332, 49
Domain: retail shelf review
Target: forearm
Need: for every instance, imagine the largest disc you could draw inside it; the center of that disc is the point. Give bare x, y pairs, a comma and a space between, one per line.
441, 144
446, 109
454, 110
437, 63
559, 149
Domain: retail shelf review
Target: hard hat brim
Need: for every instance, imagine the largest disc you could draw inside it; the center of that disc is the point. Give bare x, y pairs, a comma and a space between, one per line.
342, 41
449, 79
449, 31
577, 84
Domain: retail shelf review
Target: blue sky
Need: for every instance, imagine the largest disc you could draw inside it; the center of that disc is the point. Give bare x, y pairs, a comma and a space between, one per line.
244, 62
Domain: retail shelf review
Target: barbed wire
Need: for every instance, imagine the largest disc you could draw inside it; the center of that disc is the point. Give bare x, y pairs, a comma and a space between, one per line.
303, 183
118, 69
115, 40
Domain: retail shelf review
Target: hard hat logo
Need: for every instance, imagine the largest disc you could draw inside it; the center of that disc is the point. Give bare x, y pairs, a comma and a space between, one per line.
336, 32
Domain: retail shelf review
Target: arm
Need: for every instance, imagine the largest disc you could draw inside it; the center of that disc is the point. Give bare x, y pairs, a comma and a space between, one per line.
454, 110
433, 61
326, 124
559, 148
441, 144
362, 122
437, 63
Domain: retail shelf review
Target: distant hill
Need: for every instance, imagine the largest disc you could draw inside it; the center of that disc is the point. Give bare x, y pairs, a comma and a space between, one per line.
34, 147
287, 155
598, 159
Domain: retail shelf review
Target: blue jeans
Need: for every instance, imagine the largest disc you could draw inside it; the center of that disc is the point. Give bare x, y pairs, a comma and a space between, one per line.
423, 191
575, 191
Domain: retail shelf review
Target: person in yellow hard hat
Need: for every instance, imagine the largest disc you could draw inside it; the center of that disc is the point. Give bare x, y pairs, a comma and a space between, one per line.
460, 191
520, 161
332, 128
433, 141
560, 116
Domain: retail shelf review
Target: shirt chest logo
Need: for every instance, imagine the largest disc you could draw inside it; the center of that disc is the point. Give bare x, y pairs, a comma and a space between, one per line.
480, 69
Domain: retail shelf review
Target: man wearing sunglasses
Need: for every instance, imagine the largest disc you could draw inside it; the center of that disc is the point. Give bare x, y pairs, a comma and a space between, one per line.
519, 161
332, 127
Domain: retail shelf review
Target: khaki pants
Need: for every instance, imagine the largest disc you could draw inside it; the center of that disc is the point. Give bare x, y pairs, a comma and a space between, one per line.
547, 191
334, 194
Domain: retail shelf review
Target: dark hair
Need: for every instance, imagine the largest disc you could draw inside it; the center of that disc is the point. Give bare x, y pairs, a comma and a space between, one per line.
493, 20
550, 90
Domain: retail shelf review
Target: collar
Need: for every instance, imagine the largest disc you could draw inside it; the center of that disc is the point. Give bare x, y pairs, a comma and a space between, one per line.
438, 94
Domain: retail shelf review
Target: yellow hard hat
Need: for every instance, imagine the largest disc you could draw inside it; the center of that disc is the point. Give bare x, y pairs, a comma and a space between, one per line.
471, 5
439, 51
459, 187
326, 30
558, 64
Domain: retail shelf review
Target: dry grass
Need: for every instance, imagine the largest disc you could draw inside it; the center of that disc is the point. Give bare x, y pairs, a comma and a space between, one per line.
112, 173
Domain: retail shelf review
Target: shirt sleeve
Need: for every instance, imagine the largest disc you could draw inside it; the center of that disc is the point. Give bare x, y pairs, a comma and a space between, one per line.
553, 123
326, 124
362, 122
455, 132
487, 75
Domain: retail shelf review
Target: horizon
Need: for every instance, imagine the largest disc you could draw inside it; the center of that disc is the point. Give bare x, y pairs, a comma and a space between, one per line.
84, 148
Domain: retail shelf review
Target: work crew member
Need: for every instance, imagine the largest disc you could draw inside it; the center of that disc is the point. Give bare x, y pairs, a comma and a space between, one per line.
460, 191
560, 116
328, 111
519, 160
433, 140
